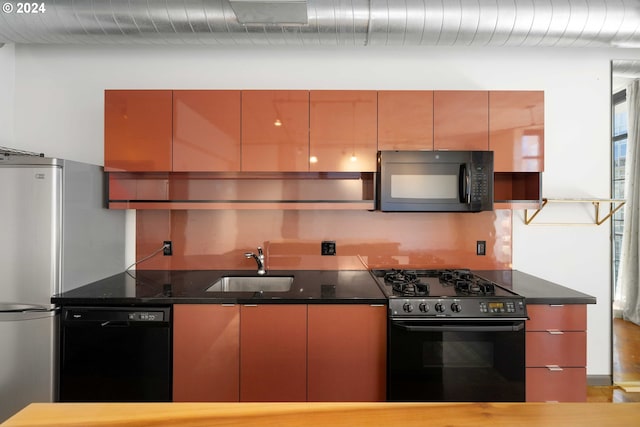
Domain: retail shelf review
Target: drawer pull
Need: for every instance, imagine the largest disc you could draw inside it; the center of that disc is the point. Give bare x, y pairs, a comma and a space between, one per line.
556, 305
228, 305
555, 332
554, 368
377, 305
250, 305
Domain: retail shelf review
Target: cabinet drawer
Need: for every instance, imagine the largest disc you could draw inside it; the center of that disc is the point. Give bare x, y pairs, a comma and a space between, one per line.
571, 317
556, 348
563, 385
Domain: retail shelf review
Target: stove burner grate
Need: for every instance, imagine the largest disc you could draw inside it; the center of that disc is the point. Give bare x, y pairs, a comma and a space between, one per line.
406, 282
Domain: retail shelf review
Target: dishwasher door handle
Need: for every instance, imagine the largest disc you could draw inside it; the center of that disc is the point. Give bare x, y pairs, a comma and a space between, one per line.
115, 324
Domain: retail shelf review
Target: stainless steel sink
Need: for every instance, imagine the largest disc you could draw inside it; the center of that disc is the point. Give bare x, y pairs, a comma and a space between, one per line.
252, 284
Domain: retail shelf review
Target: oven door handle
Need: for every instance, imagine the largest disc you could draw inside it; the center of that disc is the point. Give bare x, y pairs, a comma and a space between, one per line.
514, 327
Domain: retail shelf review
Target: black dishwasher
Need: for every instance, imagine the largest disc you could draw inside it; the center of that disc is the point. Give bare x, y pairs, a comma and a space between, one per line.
115, 354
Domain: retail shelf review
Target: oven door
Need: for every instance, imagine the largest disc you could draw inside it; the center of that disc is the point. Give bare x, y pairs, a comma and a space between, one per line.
456, 361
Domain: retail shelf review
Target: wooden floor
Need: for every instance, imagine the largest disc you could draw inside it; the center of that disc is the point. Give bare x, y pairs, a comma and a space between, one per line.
626, 365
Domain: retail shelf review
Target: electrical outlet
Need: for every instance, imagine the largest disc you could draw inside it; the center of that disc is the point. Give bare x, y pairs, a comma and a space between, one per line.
481, 247
328, 247
168, 248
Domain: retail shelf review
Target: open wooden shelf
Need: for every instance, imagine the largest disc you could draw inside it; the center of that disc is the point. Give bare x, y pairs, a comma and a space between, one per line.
225, 190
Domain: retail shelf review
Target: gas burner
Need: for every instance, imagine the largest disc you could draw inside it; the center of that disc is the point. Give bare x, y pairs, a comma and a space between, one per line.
450, 277
478, 287
406, 282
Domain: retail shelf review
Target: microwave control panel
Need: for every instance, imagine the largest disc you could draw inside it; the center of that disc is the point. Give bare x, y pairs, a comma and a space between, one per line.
479, 184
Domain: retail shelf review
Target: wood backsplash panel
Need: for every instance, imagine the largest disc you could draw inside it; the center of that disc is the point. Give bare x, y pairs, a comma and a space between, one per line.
218, 239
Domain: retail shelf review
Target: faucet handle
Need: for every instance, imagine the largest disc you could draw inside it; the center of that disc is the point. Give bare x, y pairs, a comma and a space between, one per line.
260, 253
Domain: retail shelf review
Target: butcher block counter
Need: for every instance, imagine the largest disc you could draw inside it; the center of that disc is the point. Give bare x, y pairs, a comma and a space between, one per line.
327, 414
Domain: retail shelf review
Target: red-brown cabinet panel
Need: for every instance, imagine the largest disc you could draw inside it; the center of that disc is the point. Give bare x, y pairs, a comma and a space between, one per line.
516, 130
347, 352
559, 348
405, 120
461, 120
206, 130
206, 340
137, 130
275, 130
556, 385
273, 356
343, 128
569, 317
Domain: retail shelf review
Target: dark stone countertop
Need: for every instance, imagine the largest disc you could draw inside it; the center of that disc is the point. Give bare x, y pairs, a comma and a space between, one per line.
165, 287
535, 289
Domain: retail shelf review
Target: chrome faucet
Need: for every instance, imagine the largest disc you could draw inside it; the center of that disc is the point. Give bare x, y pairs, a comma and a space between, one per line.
259, 260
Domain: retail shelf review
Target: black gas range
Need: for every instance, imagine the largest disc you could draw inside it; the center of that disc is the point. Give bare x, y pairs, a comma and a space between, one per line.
453, 336
447, 293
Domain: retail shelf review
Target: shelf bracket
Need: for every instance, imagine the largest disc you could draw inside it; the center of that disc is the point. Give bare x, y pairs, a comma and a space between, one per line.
614, 206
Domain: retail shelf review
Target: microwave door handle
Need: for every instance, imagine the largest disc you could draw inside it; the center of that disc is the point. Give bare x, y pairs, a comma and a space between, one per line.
463, 185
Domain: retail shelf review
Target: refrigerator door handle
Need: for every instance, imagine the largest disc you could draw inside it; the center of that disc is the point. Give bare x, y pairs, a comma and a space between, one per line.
22, 308
17, 312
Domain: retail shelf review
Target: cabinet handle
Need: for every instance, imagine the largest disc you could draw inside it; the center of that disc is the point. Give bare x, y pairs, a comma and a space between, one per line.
228, 305
377, 305
555, 332
554, 368
556, 305
250, 305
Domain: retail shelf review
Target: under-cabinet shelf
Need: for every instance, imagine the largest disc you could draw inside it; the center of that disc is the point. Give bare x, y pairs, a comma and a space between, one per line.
220, 190
614, 206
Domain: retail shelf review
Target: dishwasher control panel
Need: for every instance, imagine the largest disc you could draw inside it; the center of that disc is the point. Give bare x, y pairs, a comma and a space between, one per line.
146, 316
116, 314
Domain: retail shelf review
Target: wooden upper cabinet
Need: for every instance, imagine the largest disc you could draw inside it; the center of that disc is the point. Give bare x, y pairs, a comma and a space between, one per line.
516, 130
343, 128
206, 130
461, 120
206, 352
137, 130
405, 120
275, 130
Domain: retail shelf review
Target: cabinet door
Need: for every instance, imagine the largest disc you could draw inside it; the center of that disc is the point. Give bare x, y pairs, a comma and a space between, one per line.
405, 120
557, 348
461, 120
347, 353
273, 357
556, 385
137, 130
516, 130
206, 343
343, 131
570, 317
275, 130
206, 130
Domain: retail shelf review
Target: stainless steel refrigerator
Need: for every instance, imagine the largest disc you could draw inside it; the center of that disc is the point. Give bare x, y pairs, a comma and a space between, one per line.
55, 235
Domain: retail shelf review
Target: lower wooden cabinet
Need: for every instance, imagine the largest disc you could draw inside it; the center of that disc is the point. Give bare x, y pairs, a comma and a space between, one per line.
556, 353
273, 353
347, 353
206, 350
279, 352
556, 384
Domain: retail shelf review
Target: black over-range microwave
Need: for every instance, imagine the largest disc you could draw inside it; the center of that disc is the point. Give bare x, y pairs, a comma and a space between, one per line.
435, 181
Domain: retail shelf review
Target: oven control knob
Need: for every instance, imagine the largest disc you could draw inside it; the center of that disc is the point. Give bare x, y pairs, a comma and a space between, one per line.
455, 307
439, 307
407, 307
424, 307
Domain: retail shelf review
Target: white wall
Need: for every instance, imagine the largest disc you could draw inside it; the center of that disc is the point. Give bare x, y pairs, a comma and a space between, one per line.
59, 110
